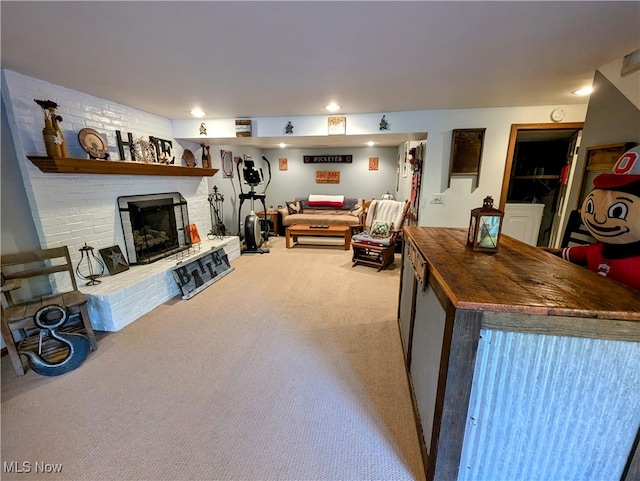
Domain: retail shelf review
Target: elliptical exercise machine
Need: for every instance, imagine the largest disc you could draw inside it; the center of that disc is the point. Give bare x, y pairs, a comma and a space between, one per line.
253, 233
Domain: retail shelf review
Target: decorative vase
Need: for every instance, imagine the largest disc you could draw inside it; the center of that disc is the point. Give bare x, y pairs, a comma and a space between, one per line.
56, 127
51, 140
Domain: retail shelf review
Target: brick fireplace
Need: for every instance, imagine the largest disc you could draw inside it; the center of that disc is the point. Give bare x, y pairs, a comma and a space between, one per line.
71, 209
74, 209
154, 226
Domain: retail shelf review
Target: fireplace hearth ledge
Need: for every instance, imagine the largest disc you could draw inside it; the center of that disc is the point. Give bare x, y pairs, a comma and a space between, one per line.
121, 299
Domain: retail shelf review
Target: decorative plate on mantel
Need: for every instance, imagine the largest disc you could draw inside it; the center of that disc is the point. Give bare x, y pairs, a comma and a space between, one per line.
93, 143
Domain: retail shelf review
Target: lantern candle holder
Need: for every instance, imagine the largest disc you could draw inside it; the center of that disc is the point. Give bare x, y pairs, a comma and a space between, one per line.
388, 196
485, 227
87, 271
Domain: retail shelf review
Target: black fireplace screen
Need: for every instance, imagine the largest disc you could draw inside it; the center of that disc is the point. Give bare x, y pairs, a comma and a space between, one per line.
154, 226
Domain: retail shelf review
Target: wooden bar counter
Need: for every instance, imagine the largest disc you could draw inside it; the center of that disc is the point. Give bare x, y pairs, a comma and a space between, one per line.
523, 366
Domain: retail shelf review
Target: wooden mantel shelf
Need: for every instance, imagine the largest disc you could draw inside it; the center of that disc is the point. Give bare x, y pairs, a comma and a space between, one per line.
114, 167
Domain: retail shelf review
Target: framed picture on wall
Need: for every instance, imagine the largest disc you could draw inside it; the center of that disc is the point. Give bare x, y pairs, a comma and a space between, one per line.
243, 128
283, 164
337, 125
466, 152
373, 163
327, 176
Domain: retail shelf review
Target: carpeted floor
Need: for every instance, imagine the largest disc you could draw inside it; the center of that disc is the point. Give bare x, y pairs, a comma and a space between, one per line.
288, 368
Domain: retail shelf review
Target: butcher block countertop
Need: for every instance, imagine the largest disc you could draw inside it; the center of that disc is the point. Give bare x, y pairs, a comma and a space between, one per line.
519, 278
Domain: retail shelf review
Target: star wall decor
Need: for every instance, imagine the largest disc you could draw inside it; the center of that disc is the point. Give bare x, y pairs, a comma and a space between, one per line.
288, 129
114, 260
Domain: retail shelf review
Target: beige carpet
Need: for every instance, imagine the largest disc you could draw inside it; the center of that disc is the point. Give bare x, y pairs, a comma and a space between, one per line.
288, 368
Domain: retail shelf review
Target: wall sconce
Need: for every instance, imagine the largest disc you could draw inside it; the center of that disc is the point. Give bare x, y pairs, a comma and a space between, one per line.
485, 227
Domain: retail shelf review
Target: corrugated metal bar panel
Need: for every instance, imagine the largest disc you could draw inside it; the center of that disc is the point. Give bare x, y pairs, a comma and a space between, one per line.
551, 408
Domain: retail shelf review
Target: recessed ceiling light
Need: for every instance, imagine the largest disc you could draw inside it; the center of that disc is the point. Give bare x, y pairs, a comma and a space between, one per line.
197, 112
332, 107
282, 145
371, 143
583, 91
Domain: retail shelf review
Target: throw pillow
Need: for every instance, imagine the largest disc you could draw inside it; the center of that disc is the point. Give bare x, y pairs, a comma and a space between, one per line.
350, 203
381, 229
304, 202
357, 211
294, 207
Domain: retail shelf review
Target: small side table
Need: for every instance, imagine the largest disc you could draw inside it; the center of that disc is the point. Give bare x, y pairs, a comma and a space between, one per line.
273, 215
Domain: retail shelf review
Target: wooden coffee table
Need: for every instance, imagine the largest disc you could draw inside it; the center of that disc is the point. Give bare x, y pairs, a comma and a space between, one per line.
294, 231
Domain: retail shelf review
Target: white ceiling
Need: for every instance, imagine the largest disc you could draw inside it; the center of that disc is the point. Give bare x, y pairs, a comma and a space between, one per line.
279, 59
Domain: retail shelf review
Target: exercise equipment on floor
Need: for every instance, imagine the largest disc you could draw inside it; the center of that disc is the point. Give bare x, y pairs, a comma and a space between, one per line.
254, 236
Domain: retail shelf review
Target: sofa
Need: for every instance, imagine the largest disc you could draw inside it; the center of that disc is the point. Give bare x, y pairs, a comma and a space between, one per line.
322, 210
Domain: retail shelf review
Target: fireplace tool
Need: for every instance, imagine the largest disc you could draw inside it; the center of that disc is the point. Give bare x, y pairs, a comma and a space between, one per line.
86, 271
217, 226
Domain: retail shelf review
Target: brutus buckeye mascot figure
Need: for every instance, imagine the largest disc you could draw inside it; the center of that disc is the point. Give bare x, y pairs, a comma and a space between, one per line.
611, 212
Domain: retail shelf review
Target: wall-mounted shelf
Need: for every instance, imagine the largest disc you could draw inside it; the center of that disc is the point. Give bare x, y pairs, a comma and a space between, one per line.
114, 167
539, 177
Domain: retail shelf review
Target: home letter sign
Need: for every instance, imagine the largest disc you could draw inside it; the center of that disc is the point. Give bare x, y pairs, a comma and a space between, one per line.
196, 274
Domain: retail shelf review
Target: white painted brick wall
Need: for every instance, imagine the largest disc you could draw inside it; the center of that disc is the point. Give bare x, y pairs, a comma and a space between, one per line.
74, 209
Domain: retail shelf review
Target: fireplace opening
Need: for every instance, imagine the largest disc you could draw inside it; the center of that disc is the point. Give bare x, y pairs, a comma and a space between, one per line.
154, 226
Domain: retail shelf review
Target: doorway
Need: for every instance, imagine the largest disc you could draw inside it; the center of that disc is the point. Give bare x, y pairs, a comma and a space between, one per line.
538, 173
